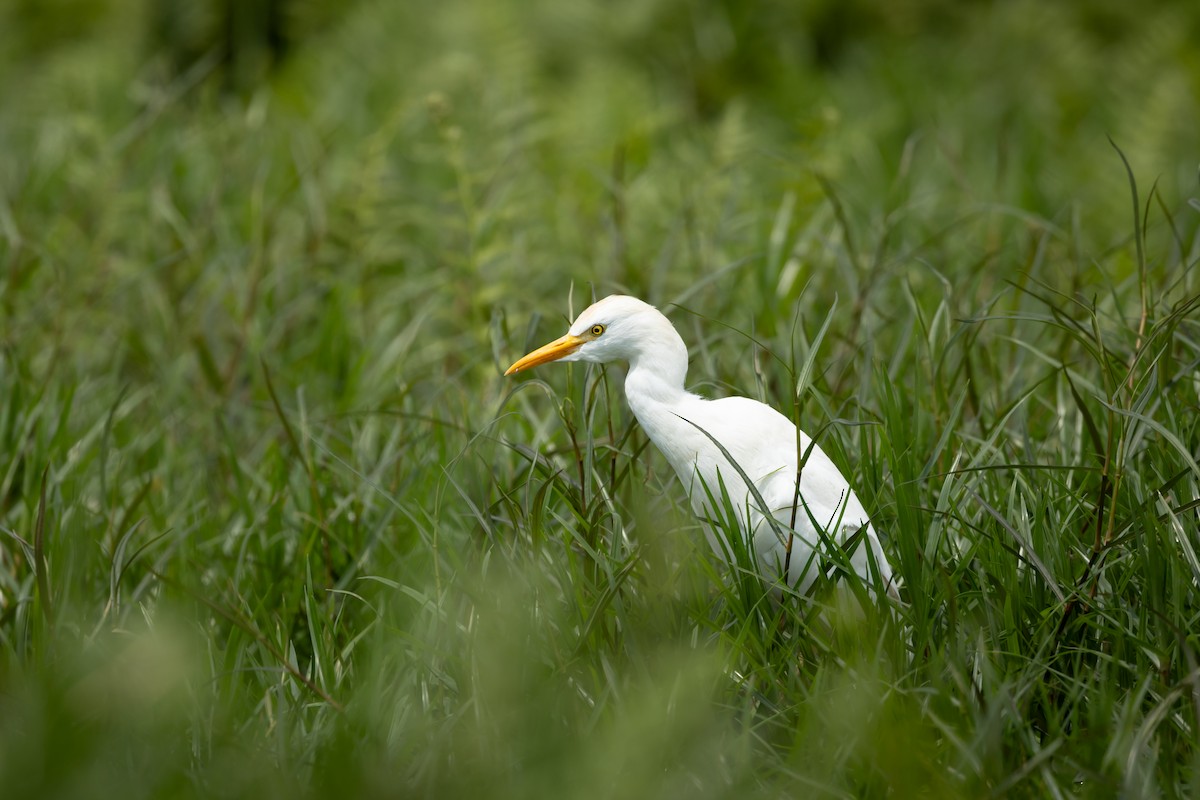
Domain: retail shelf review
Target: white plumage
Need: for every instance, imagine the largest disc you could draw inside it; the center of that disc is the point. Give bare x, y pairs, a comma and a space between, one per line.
760, 440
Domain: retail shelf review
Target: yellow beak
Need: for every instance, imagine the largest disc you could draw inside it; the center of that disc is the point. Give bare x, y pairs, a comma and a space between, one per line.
548, 352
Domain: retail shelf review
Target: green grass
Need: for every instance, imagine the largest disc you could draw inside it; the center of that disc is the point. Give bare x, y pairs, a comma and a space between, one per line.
273, 524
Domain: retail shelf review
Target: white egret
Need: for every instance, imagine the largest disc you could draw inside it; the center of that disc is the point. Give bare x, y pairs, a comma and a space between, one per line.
764, 444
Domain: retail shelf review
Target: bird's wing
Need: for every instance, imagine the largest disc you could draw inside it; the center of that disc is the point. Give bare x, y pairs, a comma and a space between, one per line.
765, 445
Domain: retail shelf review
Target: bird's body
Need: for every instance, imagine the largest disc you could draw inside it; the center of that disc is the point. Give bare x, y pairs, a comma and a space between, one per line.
764, 444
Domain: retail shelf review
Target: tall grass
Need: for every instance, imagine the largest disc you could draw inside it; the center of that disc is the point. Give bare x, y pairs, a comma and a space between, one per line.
273, 524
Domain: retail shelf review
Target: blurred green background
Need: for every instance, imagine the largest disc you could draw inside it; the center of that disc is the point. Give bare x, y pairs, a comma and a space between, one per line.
273, 524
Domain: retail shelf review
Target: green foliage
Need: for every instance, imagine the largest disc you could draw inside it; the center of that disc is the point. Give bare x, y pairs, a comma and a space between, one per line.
273, 524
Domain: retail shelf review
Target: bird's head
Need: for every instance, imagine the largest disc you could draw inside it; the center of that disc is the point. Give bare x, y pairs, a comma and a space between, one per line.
617, 328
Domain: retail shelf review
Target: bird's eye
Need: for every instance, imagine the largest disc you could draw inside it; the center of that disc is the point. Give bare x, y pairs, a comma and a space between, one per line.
597, 330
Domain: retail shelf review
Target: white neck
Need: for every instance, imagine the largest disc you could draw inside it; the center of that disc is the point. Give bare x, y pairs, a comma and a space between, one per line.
658, 377
654, 390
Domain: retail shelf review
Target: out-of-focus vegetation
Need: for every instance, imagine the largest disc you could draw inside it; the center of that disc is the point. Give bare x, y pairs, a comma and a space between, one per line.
272, 524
